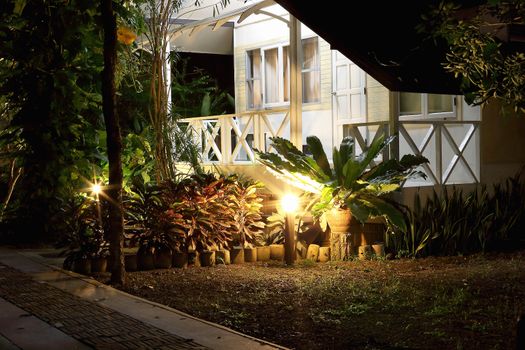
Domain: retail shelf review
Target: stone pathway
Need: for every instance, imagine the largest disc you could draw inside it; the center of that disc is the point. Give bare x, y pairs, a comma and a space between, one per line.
90, 323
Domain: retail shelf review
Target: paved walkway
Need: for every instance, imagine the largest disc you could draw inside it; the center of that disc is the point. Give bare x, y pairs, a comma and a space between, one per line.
43, 307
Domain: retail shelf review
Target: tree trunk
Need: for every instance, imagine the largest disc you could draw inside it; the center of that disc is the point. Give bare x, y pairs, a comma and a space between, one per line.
114, 144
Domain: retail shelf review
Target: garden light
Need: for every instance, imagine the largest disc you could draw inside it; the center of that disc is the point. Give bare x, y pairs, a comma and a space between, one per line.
289, 203
96, 189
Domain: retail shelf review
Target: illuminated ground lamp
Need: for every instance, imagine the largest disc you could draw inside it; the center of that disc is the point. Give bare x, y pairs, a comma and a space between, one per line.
289, 204
96, 189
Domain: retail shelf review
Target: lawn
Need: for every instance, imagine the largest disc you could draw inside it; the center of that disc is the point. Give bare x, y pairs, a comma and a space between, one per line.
434, 303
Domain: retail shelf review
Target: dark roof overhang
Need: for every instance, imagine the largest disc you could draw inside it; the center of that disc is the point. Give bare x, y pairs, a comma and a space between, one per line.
381, 37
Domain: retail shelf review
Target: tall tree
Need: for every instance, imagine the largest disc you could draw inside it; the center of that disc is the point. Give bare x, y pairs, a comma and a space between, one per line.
50, 63
486, 48
114, 143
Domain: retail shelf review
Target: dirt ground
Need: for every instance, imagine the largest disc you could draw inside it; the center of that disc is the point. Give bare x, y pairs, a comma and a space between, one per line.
434, 303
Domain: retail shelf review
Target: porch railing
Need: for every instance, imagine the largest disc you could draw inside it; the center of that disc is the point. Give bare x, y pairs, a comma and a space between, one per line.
452, 147
445, 143
231, 138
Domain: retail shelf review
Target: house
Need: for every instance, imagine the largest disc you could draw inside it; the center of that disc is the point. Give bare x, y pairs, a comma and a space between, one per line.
358, 91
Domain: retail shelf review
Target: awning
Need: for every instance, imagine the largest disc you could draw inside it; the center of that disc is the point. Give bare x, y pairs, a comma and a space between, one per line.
241, 13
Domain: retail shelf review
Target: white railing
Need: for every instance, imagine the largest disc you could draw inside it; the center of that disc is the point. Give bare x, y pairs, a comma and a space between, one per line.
232, 138
444, 143
452, 147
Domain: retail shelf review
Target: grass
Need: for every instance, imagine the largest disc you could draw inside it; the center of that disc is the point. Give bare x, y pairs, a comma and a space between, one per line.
432, 303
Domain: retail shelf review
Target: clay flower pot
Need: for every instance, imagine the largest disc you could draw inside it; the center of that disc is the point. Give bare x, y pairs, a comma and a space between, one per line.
339, 221
130, 262
250, 254
263, 253
99, 264
163, 259
82, 266
180, 259
207, 258
145, 259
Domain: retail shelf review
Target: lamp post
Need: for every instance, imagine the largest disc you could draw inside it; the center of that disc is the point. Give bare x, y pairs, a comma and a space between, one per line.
289, 204
97, 189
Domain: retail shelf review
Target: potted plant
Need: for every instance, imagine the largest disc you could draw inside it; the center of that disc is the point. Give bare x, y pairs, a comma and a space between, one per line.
201, 217
82, 234
247, 224
354, 186
148, 223
99, 261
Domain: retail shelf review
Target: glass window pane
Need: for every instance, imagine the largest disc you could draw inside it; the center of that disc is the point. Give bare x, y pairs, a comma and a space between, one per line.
253, 66
311, 72
310, 53
271, 77
253, 79
440, 103
311, 87
409, 103
253, 91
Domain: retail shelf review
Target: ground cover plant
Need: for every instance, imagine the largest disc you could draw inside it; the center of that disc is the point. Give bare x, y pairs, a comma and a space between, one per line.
455, 222
428, 303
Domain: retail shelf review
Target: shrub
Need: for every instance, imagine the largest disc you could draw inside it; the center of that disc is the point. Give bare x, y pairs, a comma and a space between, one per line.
457, 223
81, 223
148, 222
247, 204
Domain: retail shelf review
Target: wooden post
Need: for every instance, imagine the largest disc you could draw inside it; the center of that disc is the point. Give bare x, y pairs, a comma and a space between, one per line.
296, 84
394, 124
289, 239
439, 155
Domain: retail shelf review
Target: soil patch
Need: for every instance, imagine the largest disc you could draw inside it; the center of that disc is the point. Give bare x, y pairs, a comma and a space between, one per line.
434, 303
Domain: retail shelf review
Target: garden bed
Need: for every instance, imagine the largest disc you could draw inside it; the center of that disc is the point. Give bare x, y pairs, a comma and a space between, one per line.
433, 303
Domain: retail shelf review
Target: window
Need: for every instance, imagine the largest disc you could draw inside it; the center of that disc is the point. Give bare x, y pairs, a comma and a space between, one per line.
271, 76
310, 71
414, 105
268, 75
253, 78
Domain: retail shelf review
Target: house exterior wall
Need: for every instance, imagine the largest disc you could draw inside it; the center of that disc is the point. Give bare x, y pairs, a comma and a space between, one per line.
259, 31
503, 146
378, 100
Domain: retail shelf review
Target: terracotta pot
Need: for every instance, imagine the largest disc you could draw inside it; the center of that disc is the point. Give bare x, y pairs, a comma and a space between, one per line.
313, 252
222, 257
180, 259
237, 255
99, 264
324, 254
263, 253
207, 258
130, 262
82, 266
379, 249
163, 259
250, 254
365, 252
145, 260
339, 222
277, 252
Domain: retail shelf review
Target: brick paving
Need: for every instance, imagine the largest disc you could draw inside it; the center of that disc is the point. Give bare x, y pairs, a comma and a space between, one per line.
90, 323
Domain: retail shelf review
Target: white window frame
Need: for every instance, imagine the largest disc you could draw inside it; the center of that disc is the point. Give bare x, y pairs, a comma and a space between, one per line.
280, 74
424, 115
316, 69
252, 80
280, 83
